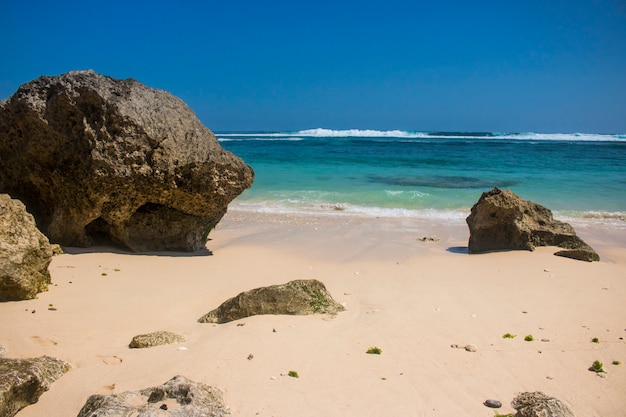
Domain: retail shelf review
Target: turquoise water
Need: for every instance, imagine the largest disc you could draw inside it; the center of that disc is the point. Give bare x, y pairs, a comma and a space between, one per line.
430, 174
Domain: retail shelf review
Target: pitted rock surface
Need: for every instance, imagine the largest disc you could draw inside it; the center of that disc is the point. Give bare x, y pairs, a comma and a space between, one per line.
538, 404
501, 220
25, 253
98, 160
178, 397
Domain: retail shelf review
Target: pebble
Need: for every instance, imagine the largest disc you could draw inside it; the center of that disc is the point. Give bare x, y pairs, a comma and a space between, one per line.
471, 348
163, 407
250, 357
545, 340
181, 348
493, 403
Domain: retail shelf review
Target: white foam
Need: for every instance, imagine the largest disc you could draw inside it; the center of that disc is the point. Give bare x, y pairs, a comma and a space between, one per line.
403, 134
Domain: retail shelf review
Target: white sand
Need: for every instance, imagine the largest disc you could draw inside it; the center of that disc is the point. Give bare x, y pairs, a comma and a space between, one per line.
412, 299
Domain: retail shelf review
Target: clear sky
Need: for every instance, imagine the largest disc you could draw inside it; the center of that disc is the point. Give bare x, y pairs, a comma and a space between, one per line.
506, 66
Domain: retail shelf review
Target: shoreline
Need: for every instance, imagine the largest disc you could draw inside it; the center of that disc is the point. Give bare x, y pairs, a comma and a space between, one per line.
411, 298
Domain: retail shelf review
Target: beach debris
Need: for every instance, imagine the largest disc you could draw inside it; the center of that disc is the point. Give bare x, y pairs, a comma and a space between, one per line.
429, 239
250, 357
293, 298
293, 374
121, 163
155, 339
538, 404
25, 253
374, 350
501, 220
492, 403
597, 367
529, 338
23, 381
191, 399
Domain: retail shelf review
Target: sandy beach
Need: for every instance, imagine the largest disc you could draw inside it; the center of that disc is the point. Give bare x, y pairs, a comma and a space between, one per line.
411, 298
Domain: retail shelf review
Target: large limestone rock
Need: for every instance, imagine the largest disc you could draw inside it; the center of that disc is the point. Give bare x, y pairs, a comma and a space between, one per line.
295, 297
178, 397
501, 220
538, 404
25, 253
22, 381
99, 160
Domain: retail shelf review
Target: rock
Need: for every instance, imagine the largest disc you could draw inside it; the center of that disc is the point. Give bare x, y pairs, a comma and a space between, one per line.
182, 398
471, 348
501, 220
25, 253
538, 404
155, 339
22, 381
492, 404
103, 161
295, 297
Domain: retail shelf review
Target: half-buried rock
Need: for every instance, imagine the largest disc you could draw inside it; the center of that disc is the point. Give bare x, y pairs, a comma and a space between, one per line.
501, 220
155, 339
538, 404
178, 397
25, 253
295, 298
103, 161
23, 381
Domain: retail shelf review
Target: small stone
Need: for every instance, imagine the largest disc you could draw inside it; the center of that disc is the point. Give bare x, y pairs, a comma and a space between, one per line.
273, 330
250, 357
52, 308
545, 340
492, 404
549, 377
471, 348
163, 407
241, 324
33, 312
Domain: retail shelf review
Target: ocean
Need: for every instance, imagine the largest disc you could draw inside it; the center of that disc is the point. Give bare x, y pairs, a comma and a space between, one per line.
430, 174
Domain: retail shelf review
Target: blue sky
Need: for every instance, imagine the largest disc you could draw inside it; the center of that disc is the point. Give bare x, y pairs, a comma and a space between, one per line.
542, 66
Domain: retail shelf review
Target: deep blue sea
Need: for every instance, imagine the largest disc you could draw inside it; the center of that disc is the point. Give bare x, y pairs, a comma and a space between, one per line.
430, 174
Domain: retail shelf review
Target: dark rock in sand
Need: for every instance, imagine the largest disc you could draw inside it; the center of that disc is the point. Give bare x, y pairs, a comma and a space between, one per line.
295, 298
538, 404
501, 220
98, 161
492, 404
25, 253
22, 381
155, 339
181, 397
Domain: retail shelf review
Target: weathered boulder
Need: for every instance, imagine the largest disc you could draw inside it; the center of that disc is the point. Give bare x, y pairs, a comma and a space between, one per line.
501, 220
178, 397
538, 404
295, 298
155, 339
25, 253
98, 160
22, 381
